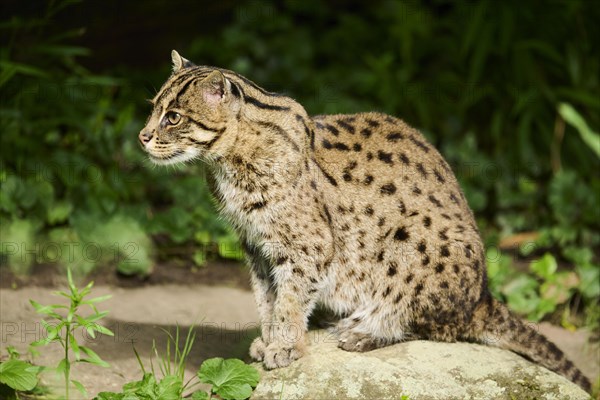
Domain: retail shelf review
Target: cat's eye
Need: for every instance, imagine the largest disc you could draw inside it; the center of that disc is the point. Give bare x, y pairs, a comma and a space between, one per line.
173, 118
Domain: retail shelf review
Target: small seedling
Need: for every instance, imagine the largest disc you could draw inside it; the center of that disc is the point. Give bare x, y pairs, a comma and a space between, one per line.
62, 329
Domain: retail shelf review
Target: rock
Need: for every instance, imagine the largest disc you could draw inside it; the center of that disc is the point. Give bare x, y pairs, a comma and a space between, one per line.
419, 370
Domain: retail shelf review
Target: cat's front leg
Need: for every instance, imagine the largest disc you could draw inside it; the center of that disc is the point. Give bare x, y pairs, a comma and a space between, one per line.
294, 301
264, 294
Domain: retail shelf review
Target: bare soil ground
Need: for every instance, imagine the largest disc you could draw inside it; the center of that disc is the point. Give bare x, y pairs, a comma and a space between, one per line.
215, 299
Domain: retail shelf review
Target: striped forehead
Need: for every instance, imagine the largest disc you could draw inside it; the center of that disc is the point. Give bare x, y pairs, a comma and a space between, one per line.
176, 83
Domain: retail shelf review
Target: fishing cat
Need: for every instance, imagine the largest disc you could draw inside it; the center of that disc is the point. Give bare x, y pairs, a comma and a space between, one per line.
357, 212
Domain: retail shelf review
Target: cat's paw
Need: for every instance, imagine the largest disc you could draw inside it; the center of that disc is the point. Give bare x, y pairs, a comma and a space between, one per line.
360, 342
257, 349
278, 354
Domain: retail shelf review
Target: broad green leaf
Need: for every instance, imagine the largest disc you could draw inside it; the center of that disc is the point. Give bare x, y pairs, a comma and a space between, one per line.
144, 388
169, 388
18, 374
231, 378
110, 396
571, 116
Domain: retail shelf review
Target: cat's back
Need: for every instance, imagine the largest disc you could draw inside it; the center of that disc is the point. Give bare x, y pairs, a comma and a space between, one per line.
379, 157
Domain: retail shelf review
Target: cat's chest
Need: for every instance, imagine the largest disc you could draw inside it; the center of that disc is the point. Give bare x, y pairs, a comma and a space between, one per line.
250, 212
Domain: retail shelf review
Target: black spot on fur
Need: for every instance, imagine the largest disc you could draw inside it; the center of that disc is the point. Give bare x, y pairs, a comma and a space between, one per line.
298, 271
404, 159
422, 247
385, 157
280, 260
425, 260
369, 210
366, 132
372, 123
398, 298
435, 201
418, 288
422, 170
439, 268
332, 129
393, 269
402, 207
341, 146
344, 124
401, 234
468, 251
438, 176
426, 222
387, 291
394, 136
368, 179
255, 206
416, 190
409, 278
357, 147
420, 144
326, 144
380, 256
327, 214
388, 188
454, 198
442, 234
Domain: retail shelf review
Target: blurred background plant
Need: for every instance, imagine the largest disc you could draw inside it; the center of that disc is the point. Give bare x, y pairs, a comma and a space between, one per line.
507, 90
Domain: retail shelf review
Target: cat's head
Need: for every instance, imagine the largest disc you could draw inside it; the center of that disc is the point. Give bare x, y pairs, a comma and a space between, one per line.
192, 111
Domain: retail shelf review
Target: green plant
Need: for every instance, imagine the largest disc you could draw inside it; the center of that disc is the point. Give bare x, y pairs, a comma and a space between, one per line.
230, 379
17, 376
63, 323
541, 289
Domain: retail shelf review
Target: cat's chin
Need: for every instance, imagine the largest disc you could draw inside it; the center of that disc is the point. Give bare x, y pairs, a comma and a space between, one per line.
179, 157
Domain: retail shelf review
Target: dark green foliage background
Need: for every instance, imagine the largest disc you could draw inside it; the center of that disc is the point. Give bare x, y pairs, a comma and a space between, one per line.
482, 79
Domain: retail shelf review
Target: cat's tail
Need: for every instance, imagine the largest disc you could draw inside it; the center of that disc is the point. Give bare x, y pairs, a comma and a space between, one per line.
494, 325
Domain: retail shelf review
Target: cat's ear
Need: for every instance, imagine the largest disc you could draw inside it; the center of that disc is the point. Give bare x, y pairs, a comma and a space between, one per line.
180, 62
214, 87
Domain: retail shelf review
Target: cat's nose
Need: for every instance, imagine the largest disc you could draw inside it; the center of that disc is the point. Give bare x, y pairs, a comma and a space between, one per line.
145, 137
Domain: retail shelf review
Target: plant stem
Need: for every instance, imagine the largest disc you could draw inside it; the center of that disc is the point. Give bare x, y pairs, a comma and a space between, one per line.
67, 364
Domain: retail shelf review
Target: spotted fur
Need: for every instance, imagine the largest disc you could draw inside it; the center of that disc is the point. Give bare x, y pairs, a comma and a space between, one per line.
358, 213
